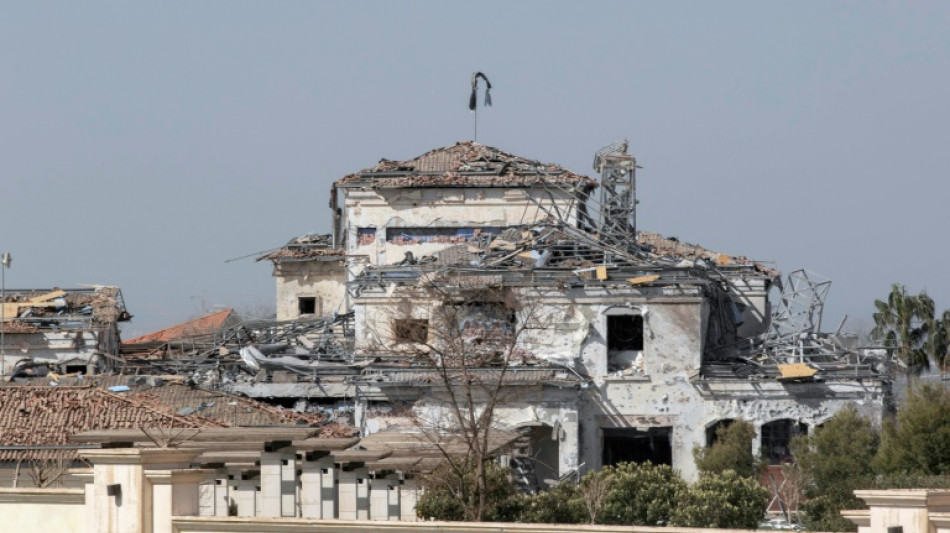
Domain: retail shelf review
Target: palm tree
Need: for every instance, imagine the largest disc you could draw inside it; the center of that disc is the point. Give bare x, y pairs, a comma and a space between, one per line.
938, 341
903, 322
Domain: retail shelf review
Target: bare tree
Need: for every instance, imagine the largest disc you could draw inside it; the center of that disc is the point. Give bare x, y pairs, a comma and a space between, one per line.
47, 471
792, 490
467, 337
594, 488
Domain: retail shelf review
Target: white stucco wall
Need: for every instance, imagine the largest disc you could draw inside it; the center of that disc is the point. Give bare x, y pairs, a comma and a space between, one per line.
43, 510
324, 280
435, 207
664, 390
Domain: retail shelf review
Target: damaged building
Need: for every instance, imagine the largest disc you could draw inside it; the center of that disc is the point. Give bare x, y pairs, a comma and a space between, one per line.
61, 330
531, 289
630, 347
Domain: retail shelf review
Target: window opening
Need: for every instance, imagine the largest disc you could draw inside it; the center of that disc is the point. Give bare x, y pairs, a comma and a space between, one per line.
712, 431
624, 332
307, 305
776, 438
631, 445
411, 330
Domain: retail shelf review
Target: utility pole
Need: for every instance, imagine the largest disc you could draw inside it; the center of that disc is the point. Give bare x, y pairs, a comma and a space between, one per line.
4, 265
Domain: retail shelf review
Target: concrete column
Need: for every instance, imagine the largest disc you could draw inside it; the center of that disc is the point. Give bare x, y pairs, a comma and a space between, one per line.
245, 496
409, 493
122, 496
278, 484
909, 508
221, 496
174, 493
353, 495
384, 498
317, 488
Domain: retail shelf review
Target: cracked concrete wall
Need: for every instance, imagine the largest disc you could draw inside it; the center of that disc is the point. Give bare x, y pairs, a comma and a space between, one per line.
438, 207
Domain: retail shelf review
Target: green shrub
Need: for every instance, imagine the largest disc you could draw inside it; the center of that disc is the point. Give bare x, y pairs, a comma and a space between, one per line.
725, 500
641, 494
559, 505
731, 451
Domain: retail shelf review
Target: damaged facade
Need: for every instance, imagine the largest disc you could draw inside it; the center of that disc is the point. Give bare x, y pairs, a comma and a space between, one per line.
65, 330
607, 343
640, 346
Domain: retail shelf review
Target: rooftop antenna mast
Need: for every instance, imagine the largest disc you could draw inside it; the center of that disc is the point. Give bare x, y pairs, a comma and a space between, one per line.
473, 100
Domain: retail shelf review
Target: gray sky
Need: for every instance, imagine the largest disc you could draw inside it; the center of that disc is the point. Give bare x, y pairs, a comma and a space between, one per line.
142, 145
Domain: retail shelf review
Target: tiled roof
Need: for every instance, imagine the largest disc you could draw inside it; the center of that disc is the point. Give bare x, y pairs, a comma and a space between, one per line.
464, 164
47, 416
178, 398
192, 328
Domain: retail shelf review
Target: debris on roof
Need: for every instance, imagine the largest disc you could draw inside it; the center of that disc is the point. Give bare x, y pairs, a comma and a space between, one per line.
306, 247
465, 164
32, 309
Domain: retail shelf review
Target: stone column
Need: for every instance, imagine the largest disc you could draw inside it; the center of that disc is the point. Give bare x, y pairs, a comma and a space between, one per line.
122, 496
174, 493
908, 508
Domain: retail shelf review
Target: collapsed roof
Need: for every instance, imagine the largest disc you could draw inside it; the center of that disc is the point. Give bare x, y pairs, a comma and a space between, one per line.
312, 246
31, 310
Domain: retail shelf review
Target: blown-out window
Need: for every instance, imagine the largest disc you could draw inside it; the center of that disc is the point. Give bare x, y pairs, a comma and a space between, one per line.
414, 330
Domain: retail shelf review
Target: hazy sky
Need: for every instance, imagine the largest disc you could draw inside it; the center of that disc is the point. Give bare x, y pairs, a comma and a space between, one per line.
142, 145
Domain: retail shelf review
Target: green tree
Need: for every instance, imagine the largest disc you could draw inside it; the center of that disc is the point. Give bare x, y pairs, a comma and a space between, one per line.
836, 459
917, 441
903, 322
724, 500
938, 341
641, 494
841, 448
732, 450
